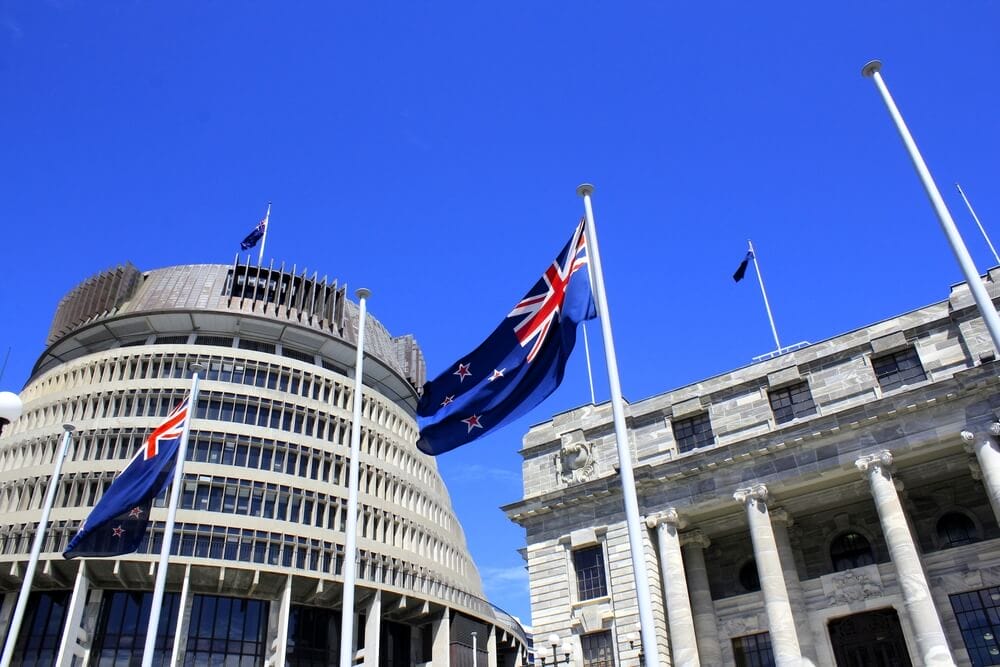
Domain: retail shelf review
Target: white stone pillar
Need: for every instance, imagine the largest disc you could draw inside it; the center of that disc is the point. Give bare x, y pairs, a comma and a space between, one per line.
683, 641
491, 646
780, 620
68, 646
781, 521
931, 641
183, 620
441, 650
988, 457
373, 630
693, 545
284, 617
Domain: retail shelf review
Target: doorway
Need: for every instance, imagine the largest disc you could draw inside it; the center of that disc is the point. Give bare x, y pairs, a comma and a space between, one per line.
870, 639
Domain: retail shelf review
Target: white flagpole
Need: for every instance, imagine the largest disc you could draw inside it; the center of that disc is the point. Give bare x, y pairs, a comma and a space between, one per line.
168, 529
632, 519
263, 240
351, 537
767, 306
590, 373
983, 301
981, 228
36, 549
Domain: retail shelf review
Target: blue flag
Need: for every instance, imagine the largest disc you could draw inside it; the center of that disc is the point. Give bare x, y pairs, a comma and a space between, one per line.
254, 236
118, 522
521, 362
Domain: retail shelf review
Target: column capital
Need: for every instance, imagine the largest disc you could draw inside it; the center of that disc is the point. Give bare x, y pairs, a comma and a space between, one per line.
695, 538
781, 516
667, 516
751, 493
874, 462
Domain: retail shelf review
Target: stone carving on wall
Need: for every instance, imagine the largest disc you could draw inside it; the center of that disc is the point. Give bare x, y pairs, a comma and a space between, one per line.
576, 458
852, 586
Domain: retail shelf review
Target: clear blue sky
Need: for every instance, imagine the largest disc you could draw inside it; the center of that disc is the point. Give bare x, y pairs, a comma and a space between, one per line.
430, 151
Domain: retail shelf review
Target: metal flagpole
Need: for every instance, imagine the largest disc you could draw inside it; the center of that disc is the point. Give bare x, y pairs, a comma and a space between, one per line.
767, 306
351, 538
36, 549
981, 228
168, 529
590, 373
263, 240
983, 301
632, 520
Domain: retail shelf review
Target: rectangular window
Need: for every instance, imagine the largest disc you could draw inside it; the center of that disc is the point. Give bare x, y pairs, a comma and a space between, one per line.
791, 402
597, 650
753, 650
897, 369
978, 616
693, 432
590, 579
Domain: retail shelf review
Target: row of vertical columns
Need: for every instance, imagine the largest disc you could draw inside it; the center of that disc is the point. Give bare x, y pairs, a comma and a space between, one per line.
984, 446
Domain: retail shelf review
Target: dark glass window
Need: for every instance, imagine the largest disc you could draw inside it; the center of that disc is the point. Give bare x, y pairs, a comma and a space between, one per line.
590, 579
978, 615
313, 637
851, 550
896, 369
122, 623
597, 650
791, 402
749, 577
171, 340
955, 529
256, 345
41, 629
221, 341
227, 631
753, 650
693, 432
292, 353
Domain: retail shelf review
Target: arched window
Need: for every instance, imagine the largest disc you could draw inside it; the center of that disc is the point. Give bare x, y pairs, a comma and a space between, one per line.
851, 550
955, 529
749, 578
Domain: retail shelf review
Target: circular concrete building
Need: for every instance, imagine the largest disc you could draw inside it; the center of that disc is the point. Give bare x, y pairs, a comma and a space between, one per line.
258, 553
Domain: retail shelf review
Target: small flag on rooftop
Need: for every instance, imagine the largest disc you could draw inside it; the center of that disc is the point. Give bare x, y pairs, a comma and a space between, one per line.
741, 271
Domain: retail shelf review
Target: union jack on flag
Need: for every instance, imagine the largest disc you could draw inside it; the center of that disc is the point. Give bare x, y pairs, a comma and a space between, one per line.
118, 522
518, 365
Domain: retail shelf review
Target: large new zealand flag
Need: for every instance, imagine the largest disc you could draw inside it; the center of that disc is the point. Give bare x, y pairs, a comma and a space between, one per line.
118, 522
521, 362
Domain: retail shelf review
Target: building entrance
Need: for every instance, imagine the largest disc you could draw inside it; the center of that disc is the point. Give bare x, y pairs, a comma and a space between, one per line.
871, 639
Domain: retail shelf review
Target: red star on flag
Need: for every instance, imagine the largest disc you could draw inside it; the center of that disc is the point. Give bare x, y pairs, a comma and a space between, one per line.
497, 374
463, 372
447, 400
472, 422
135, 513
118, 531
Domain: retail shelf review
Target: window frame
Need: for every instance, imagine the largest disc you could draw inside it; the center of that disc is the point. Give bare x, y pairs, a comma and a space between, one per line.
591, 592
794, 409
890, 380
697, 438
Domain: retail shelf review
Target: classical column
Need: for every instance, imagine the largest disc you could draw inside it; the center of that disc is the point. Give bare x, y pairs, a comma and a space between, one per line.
923, 615
683, 641
780, 620
693, 545
781, 521
988, 457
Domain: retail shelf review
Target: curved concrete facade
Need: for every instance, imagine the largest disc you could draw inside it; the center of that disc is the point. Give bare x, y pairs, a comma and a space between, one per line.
262, 516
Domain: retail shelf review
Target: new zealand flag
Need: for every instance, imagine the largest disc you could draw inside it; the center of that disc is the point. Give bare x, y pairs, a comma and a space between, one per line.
520, 364
254, 236
118, 522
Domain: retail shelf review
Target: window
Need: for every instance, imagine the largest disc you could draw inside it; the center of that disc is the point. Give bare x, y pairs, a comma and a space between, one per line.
851, 550
896, 369
978, 615
590, 579
749, 577
955, 529
38, 641
597, 649
221, 341
312, 637
693, 432
791, 402
122, 623
753, 650
227, 631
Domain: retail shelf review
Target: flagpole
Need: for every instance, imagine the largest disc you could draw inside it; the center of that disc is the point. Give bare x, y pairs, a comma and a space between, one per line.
981, 228
168, 529
263, 240
351, 537
590, 373
767, 306
632, 520
36, 550
983, 301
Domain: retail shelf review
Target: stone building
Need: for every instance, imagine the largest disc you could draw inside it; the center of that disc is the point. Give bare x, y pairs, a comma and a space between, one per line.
833, 505
256, 575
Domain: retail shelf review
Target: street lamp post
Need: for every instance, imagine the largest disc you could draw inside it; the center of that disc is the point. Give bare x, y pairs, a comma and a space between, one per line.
475, 650
10, 408
566, 651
